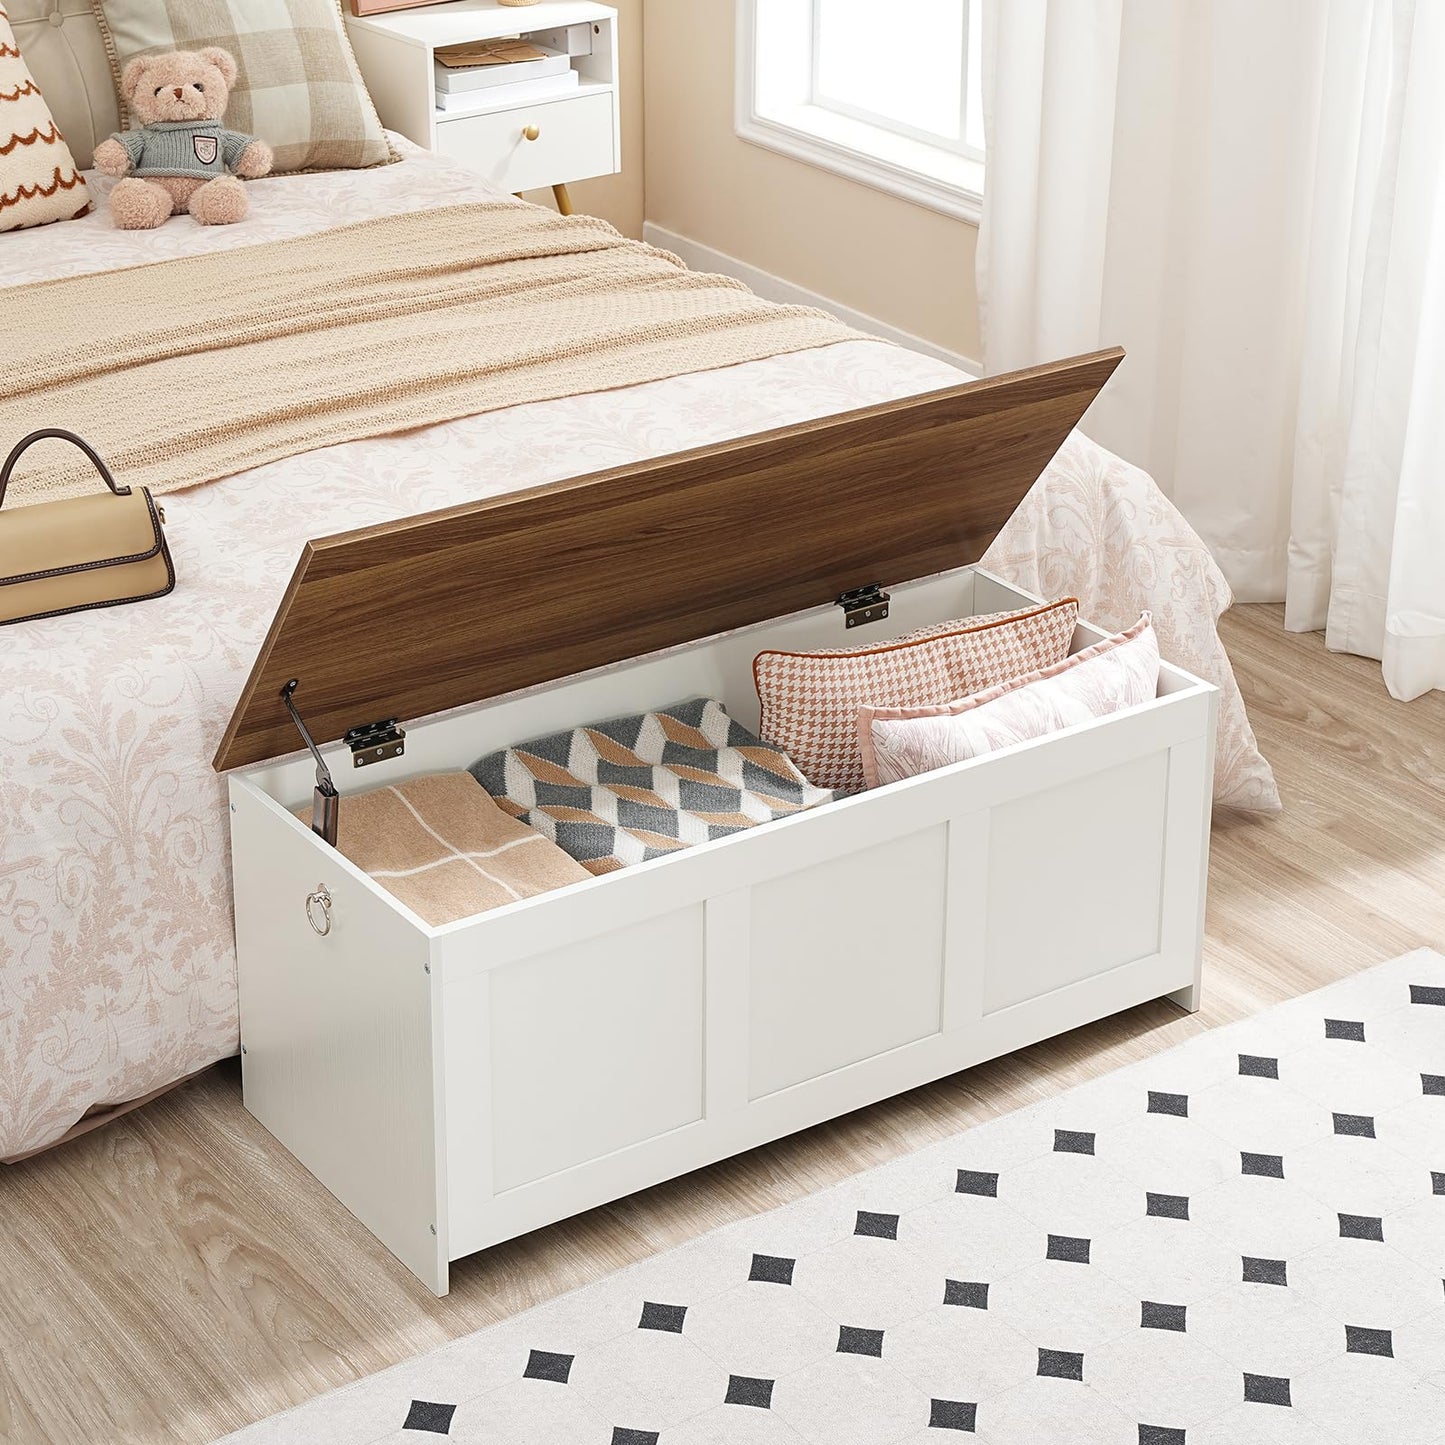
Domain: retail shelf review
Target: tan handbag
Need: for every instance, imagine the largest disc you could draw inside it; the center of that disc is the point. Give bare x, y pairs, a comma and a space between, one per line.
58, 557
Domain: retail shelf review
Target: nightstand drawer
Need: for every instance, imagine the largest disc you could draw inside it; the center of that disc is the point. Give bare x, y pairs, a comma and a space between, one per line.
573, 141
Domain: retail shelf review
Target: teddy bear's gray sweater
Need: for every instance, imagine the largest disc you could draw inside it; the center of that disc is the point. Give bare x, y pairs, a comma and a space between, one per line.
200, 148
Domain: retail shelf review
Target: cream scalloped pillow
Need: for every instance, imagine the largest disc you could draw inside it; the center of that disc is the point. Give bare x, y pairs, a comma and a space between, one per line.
39, 182
1119, 672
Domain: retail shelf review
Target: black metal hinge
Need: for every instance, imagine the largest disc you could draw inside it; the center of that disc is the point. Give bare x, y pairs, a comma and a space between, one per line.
863, 604
375, 742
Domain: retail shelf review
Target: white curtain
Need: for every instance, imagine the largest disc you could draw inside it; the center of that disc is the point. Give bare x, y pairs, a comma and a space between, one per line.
1250, 197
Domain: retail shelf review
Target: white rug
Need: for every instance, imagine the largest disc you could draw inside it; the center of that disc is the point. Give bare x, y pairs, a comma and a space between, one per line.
1238, 1242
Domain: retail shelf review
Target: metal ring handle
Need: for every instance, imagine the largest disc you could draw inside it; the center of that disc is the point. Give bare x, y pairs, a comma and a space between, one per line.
319, 898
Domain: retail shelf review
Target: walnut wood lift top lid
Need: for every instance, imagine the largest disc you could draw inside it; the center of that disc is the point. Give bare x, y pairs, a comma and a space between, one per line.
434, 612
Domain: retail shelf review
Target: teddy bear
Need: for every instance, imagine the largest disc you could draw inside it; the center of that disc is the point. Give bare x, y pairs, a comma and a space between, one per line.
182, 157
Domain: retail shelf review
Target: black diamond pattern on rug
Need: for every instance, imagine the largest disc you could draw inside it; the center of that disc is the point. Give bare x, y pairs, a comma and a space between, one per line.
1362, 1226
772, 1269
1061, 1364
544, 1365
1068, 1248
1266, 1389
964, 1292
1257, 1066
952, 1415
1361, 1126
1265, 1271
1155, 1316
662, 1317
971, 1181
1362, 1341
1269, 1166
879, 1226
855, 1341
749, 1390
906, 1303
430, 1416
1167, 1206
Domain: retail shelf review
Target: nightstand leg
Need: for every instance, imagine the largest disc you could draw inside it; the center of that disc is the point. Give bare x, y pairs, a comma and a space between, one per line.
564, 201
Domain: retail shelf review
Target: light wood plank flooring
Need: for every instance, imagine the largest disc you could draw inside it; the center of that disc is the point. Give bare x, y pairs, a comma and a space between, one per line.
176, 1275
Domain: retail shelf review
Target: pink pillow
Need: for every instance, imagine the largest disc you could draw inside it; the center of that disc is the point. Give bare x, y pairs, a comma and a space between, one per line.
810, 700
901, 742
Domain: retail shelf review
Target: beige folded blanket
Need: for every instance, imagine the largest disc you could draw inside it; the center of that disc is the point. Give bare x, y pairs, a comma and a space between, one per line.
189, 370
446, 850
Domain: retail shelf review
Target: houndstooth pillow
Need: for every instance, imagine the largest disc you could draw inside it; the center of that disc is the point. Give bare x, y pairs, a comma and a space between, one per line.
811, 699
299, 89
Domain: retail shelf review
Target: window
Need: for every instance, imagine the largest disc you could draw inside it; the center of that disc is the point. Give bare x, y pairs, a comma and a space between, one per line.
887, 92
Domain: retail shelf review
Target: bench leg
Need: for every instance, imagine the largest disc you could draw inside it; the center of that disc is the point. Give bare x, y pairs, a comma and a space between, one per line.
1187, 998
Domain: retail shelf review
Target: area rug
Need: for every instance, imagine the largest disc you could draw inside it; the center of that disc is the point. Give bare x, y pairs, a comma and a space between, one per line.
1238, 1242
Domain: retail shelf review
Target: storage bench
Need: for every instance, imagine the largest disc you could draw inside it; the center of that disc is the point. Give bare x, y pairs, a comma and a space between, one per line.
456, 1086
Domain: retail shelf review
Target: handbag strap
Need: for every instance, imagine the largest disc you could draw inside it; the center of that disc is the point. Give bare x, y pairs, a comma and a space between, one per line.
65, 436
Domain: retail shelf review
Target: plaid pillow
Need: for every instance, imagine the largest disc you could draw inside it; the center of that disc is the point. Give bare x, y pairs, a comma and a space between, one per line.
299, 88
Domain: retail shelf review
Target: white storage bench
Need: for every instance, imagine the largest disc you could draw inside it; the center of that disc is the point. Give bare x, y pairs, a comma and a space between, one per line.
456, 1086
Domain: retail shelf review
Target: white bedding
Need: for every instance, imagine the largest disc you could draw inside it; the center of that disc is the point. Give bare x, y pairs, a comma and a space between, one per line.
116, 950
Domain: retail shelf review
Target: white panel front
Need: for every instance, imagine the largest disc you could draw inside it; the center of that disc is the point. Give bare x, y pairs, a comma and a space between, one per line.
846, 960
597, 1046
1076, 877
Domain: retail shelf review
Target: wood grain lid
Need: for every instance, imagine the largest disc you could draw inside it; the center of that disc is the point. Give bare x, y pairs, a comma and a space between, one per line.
433, 612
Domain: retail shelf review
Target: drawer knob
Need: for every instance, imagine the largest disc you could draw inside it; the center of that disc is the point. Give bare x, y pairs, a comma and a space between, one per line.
318, 910
531, 132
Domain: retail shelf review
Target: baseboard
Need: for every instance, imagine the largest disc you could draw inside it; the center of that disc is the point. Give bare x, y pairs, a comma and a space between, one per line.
774, 288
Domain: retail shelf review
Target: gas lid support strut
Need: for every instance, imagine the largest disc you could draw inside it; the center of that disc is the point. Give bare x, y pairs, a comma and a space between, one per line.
325, 801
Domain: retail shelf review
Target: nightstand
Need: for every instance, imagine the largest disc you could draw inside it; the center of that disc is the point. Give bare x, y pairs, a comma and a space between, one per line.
519, 145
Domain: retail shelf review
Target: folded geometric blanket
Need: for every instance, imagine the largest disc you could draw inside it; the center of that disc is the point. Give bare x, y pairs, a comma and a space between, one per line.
442, 847
642, 786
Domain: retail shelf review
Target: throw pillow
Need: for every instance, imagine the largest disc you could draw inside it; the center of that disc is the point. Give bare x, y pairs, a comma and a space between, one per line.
901, 742
39, 182
811, 699
299, 88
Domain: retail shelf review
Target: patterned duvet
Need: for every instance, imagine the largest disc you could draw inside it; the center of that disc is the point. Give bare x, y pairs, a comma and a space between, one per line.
117, 965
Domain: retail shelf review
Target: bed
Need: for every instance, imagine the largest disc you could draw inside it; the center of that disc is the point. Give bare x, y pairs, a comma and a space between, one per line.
117, 963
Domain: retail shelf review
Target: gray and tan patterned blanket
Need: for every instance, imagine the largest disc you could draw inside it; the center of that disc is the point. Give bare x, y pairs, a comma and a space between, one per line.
643, 786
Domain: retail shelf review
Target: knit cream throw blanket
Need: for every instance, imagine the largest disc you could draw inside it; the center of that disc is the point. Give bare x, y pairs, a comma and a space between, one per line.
184, 371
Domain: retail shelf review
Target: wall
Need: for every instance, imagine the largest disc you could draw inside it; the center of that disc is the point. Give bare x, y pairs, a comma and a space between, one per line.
619, 198
909, 267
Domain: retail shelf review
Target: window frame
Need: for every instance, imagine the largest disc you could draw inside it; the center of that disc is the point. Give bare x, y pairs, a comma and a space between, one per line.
887, 123
873, 150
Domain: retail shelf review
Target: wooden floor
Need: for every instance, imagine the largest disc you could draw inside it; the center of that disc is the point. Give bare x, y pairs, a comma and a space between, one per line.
176, 1275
